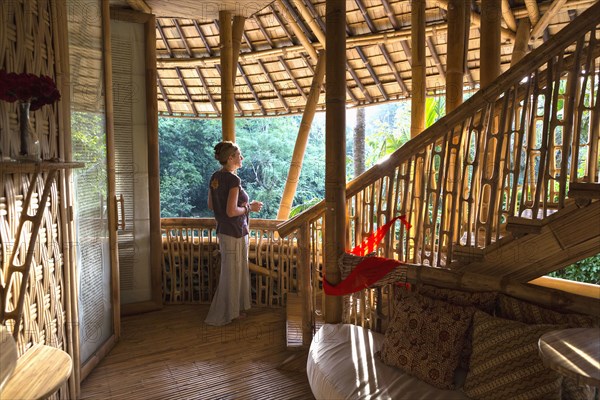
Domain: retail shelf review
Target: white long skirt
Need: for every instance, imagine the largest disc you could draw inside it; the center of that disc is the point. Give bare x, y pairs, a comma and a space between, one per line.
233, 293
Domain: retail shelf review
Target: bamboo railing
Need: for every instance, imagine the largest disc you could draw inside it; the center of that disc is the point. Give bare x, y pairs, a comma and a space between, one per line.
190, 263
511, 150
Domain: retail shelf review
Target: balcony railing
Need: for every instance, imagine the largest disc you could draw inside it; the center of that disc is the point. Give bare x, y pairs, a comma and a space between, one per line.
191, 262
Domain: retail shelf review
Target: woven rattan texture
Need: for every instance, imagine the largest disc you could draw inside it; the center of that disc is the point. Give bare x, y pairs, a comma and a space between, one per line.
34, 52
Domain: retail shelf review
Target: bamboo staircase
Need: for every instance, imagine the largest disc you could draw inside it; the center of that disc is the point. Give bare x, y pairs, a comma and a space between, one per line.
505, 186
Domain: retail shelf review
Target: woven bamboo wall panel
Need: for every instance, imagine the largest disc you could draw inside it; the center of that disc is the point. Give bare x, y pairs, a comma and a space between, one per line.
30, 21
43, 311
27, 44
191, 262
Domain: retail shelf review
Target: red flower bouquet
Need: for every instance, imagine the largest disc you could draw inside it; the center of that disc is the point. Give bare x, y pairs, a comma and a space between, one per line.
28, 88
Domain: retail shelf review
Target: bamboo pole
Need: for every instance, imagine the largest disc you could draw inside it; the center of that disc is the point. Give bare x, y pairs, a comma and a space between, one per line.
335, 155
312, 23
533, 11
306, 45
456, 54
291, 183
153, 162
521, 47
417, 112
236, 38
478, 19
227, 104
490, 41
71, 306
110, 162
508, 16
543, 22
305, 285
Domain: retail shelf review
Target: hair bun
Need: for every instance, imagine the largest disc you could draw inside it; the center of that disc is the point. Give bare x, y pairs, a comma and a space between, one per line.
223, 150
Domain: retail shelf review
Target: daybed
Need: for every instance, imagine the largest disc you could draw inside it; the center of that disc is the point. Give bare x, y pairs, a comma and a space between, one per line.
444, 344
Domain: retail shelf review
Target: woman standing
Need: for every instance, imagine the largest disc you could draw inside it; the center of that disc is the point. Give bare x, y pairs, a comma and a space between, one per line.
230, 205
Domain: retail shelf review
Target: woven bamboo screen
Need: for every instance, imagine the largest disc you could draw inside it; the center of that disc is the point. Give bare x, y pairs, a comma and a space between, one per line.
28, 44
191, 262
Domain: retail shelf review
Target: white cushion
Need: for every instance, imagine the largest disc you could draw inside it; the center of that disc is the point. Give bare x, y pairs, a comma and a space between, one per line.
342, 365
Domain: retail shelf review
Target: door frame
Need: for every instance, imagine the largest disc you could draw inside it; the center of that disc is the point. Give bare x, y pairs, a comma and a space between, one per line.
155, 302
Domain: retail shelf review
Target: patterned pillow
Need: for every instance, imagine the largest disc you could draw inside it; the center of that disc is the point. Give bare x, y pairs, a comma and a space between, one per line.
425, 339
485, 301
505, 363
529, 313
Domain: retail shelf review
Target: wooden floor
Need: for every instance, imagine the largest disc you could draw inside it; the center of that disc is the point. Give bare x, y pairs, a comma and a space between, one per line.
172, 354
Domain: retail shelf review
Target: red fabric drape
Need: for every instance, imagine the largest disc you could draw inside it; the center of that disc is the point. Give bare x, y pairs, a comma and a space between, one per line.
371, 269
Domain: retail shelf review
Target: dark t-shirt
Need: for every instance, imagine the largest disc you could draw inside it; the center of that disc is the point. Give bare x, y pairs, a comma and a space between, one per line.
220, 184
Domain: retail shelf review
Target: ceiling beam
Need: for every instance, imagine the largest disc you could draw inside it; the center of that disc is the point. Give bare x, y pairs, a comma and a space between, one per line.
280, 22
268, 76
361, 40
508, 16
182, 37
207, 88
163, 38
203, 38
254, 94
539, 28
533, 11
164, 95
390, 14
306, 45
436, 58
361, 53
311, 21
186, 91
292, 78
390, 63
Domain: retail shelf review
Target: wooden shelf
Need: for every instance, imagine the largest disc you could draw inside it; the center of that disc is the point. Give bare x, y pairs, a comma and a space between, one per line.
19, 166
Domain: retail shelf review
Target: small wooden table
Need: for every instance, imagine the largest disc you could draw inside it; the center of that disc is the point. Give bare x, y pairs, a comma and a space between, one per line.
574, 353
40, 372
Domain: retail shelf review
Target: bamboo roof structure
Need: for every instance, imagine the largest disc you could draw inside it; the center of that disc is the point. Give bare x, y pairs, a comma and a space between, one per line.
281, 41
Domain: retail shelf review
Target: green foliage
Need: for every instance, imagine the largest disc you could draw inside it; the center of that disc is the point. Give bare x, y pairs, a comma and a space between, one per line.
435, 108
388, 128
304, 206
187, 162
587, 271
89, 146
186, 156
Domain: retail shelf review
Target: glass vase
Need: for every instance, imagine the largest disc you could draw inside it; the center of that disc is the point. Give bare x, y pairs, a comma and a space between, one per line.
30, 143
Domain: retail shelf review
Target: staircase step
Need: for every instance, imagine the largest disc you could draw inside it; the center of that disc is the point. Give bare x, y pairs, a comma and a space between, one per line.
294, 321
520, 226
584, 192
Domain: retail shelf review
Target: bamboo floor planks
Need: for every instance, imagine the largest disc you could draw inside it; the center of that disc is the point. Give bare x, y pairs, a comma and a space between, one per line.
172, 354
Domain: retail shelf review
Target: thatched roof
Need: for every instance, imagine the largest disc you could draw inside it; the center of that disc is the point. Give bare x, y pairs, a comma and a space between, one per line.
275, 70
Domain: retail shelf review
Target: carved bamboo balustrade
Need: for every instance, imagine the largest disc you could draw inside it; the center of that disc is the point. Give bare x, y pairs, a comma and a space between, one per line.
190, 264
511, 150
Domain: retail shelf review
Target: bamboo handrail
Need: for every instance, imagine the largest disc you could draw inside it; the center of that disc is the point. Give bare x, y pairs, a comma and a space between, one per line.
190, 261
535, 59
